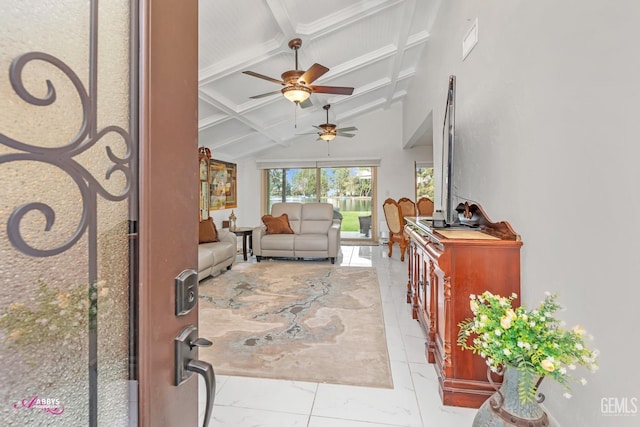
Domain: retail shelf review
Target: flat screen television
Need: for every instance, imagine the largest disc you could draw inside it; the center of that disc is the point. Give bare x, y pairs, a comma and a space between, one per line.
448, 145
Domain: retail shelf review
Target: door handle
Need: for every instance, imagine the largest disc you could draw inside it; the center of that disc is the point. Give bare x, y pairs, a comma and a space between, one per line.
186, 363
206, 370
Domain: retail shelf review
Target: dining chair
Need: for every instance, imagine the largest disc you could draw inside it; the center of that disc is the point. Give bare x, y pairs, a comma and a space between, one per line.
425, 206
393, 215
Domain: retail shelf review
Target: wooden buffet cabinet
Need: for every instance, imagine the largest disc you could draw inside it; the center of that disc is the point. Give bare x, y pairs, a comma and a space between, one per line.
446, 266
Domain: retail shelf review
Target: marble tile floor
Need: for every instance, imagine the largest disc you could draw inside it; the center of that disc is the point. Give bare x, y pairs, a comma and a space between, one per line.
414, 400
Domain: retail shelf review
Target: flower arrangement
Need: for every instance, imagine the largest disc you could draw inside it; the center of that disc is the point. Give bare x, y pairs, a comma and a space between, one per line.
531, 340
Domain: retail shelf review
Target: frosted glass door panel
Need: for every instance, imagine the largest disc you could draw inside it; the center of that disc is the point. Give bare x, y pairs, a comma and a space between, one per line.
67, 203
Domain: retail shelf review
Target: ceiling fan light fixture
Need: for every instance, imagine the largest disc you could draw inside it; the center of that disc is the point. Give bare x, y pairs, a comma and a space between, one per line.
296, 93
327, 136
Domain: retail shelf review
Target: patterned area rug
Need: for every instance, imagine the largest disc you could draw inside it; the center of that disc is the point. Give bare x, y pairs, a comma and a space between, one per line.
296, 320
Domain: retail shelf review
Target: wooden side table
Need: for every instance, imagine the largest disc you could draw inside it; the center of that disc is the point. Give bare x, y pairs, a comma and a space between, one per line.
244, 232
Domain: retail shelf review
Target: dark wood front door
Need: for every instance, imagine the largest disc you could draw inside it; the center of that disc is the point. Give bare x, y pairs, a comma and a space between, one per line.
98, 210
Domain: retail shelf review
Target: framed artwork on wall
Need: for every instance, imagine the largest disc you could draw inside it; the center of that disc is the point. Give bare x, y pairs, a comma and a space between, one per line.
222, 185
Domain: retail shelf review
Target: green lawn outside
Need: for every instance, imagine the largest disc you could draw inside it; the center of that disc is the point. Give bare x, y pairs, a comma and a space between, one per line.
350, 220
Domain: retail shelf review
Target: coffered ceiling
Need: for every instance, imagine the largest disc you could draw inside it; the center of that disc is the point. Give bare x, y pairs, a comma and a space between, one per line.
370, 45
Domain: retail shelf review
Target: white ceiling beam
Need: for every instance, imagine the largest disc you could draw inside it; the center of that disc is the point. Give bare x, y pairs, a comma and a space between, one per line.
219, 103
403, 35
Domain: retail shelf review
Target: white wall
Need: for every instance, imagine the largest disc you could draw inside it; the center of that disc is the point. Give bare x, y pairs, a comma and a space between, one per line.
548, 125
379, 136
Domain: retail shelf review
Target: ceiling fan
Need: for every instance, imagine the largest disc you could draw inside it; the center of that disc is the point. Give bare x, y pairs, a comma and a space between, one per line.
328, 131
297, 83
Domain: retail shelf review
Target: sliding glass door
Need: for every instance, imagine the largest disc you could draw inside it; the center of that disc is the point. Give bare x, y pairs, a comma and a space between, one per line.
348, 189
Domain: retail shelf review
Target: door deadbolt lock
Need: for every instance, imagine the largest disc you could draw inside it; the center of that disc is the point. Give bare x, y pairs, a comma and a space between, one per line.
186, 292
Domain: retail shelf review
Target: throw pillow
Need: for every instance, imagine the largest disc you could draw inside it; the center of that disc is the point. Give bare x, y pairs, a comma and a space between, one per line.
277, 224
207, 231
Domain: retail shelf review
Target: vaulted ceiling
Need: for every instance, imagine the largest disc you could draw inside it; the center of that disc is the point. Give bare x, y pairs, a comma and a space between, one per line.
370, 45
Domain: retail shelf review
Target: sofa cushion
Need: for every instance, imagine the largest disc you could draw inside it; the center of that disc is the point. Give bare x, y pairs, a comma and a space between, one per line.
311, 242
207, 231
278, 242
277, 224
220, 251
205, 258
316, 218
293, 211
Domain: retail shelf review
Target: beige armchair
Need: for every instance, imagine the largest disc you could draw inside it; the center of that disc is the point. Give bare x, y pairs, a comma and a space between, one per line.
425, 206
393, 214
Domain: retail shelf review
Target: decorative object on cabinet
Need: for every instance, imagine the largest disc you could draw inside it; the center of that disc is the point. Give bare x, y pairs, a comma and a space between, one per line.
204, 154
443, 272
407, 206
204, 200
395, 223
424, 205
222, 185
530, 342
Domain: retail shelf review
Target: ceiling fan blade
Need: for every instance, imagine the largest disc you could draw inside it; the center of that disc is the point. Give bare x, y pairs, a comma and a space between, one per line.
338, 90
349, 129
306, 103
348, 135
318, 127
265, 94
262, 76
315, 71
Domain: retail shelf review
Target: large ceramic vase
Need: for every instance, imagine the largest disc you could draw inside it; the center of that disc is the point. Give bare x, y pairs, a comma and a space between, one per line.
505, 409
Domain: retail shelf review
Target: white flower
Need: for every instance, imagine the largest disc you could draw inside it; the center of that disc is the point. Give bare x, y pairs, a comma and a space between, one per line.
579, 346
572, 367
532, 323
514, 295
579, 330
498, 332
547, 364
583, 381
506, 352
547, 293
563, 370
567, 395
472, 296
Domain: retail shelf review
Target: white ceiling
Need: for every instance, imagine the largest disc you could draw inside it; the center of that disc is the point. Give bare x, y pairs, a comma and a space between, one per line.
371, 45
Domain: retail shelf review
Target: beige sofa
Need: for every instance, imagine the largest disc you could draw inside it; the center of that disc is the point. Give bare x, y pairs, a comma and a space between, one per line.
214, 256
315, 233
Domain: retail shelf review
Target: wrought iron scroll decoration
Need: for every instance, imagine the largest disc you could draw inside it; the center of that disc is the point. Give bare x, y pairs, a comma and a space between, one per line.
63, 157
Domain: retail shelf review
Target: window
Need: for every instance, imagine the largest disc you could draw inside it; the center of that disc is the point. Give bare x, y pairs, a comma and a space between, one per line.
349, 189
424, 182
